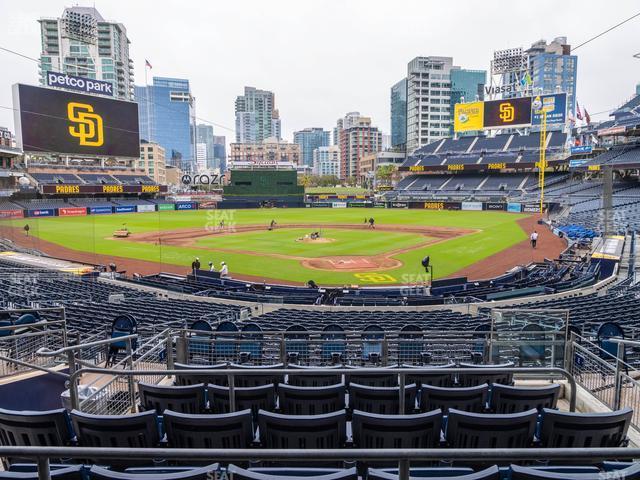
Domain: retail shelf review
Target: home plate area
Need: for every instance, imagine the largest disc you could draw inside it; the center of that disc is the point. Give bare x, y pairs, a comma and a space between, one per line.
352, 263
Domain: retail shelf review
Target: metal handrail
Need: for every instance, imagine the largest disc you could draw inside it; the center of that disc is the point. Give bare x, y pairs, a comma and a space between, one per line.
401, 455
45, 352
402, 372
35, 367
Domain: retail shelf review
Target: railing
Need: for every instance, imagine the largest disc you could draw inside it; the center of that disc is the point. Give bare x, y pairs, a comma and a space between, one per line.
606, 376
402, 456
433, 347
19, 344
128, 377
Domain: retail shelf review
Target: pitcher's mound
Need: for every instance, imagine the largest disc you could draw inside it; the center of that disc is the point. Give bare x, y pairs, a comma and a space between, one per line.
316, 240
352, 263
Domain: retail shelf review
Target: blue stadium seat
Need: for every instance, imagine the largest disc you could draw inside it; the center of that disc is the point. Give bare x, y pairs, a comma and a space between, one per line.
183, 399
449, 473
202, 473
467, 399
311, 400
228, 430
292, 474
67, 472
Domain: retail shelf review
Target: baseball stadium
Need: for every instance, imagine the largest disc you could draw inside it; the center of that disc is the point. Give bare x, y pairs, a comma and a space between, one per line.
470, 311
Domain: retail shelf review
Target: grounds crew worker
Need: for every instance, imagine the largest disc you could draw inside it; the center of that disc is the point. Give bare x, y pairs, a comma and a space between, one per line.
224, 270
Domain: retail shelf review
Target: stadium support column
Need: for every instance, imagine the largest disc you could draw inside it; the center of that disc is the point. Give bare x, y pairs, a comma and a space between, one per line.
607, 200
542, 163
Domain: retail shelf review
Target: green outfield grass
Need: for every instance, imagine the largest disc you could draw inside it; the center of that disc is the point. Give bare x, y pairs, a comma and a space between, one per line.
497, 231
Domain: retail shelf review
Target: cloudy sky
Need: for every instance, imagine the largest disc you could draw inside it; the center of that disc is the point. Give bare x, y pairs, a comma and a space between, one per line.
324, 58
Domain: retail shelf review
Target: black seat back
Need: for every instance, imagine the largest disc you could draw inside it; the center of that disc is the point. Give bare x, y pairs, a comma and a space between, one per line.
480, 378
507, 399
194, 379
583, 430
313, 379
381, 400
491, 473
228, 430
184, 399
238, 473
302, 431
436, 379
384, 378
202, 473
262, 397
139, 430
34, 429
467, 399
477, 430
396, 431
311, 400
257, 380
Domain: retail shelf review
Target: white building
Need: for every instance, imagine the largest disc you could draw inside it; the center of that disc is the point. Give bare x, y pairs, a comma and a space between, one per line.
428, 100
326, 161
84, 44
201, 156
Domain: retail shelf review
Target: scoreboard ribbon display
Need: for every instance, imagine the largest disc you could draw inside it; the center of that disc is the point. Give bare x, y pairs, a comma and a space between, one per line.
63, 189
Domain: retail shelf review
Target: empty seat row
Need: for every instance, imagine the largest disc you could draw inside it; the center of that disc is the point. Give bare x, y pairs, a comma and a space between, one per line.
551, 428
295, 400
513, 472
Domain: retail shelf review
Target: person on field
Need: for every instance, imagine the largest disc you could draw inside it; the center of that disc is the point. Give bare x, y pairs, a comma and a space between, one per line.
534, 239
195, 265
272, 225
224, 270
212, 267
372, 223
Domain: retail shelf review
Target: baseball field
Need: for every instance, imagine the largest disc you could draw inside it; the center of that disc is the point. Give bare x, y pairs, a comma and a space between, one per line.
347, 249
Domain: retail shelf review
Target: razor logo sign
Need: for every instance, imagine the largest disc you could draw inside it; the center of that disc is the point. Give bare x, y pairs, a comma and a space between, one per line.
87, 126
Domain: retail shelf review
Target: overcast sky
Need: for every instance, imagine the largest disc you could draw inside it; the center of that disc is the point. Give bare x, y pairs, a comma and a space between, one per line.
325, 58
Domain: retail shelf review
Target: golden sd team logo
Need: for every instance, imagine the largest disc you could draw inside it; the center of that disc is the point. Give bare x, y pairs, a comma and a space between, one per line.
87, 126
507, 112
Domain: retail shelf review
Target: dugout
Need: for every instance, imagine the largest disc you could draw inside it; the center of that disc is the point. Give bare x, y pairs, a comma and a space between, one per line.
257, 188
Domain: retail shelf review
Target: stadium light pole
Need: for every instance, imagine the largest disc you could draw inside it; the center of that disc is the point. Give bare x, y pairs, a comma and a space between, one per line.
542, 164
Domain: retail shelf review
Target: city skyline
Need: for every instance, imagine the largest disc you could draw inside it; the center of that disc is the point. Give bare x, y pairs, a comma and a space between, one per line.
311, 96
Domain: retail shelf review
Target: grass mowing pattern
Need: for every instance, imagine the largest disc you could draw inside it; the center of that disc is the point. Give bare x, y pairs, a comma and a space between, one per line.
499, 231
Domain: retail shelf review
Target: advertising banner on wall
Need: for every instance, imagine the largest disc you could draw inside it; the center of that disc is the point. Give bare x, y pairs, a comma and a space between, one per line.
555, 105
452, 205
45, 212
146, 208
186, 206
11, 213
63, 189
79, 84
531, 208
72, 211
471, 205
495, 206
209, 205
125, 209
166, 206
320, 204
581, 149
100, 210
339, 205
514, 207
49, 120
399, 205
468, 116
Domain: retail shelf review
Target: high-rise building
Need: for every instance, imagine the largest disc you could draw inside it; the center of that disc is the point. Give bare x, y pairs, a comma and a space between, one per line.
84, 44
553, 69
309, 139
202, 153
220, 152
399, 114
204, 134
429, 102
271, 151
326, 161
166, 113
256, 116
357, 138
466, 86
152, 161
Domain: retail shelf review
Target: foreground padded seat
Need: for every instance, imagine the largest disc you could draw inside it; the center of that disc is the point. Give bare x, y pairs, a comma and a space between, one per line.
293, 474
311, 400
256, 380
34, 429
262, 397
203, 473
195, 379
508, 399
467, 399
229, 430
302, 431
381, 400
478, 430
420, 430
480, 378
184, 399
491, 473
435, 379
385, 378
313, 379
139, 430
527, 473
584, 430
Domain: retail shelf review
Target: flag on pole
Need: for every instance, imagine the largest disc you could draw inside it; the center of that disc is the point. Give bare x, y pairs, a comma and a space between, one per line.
147, 64
587, 117
578, 112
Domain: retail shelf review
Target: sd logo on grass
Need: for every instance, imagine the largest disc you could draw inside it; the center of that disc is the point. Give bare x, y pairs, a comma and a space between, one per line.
88, 128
